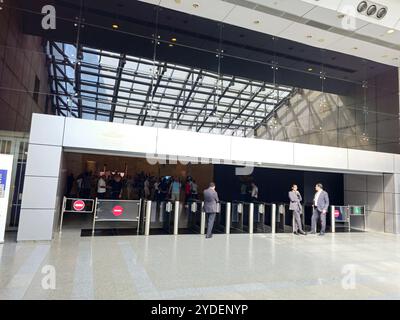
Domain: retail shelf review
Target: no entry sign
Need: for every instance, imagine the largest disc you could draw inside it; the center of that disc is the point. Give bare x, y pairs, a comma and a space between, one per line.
78, 205
117, 211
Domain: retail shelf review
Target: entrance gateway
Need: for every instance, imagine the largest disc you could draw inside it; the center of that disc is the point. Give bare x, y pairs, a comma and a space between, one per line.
52, 135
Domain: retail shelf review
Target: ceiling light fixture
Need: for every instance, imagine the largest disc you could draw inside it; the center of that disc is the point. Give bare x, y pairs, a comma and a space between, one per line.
362, 6
310, 69
196, 5
390, 31
256, 21
115, 26
381, 13
371, 10
173, 39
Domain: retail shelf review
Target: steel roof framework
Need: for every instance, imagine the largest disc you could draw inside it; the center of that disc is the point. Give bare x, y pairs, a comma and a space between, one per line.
107, 86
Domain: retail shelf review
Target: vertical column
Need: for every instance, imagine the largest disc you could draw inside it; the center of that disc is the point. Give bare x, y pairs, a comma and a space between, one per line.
176, 218
273, 218
332, 212
392, 199
147, 219
228, 218
42, 188
202, 220
251, 218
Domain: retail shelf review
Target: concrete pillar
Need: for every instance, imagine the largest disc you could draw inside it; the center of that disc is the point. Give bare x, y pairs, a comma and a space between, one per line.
40, 199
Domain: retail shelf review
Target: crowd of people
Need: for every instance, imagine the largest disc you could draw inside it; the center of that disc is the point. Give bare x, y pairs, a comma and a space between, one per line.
117, 185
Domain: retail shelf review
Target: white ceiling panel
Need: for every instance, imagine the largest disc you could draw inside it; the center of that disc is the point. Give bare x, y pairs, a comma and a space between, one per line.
245, 18
380, 33
296, 7
302, 33
211, 9
332, 18
329, 4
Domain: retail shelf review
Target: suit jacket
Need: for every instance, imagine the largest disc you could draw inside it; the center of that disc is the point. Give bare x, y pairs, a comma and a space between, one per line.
210, 201
295, 200
323, 201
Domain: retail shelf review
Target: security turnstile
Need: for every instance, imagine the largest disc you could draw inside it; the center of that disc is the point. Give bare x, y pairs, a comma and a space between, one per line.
161, 217
284, 219
195, 218
263, 217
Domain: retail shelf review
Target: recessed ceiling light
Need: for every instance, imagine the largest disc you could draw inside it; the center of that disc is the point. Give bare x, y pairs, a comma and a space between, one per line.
395, 59
385, 56
310, 69
196, 5
256, 21
115, 26
173, 39
355, 48
309, 36
178, 1
341, 16
390, 31
171, 45
321, 40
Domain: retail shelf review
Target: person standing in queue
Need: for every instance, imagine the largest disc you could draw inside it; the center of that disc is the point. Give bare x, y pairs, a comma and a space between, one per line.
210, 207
253, 192
320, 208
295, 206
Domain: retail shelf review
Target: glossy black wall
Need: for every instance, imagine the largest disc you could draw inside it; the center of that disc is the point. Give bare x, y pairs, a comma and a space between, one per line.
274, 184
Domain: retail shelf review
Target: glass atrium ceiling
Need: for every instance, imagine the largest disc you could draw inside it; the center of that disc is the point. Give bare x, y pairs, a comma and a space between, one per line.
108, 86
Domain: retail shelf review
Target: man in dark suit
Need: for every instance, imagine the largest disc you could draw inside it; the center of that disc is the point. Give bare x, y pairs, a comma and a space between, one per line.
320, 208
210, 207
295, 206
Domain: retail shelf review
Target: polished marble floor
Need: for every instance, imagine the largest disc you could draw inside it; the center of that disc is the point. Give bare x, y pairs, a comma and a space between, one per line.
239, 266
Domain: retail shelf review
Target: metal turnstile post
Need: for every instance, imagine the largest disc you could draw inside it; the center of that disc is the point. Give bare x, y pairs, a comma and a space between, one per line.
332, 219
251, 218
273, 218
176, 218
62, 213
147, 219
228, 218
202, 220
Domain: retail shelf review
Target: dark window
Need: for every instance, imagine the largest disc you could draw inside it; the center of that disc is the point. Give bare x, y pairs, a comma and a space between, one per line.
36, 89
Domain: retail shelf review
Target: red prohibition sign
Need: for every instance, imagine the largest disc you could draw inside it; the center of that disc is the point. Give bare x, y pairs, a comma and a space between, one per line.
78, 205
117, 211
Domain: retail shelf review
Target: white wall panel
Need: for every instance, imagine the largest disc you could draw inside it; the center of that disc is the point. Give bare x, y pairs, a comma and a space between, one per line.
376, 221
192, 144
46, 129
39, 192
100, 135
370, 161
263, 151
36, 225
43, 160
396, 163
320, 157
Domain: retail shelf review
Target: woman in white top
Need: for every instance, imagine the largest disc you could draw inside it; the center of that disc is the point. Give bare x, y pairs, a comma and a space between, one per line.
101, 188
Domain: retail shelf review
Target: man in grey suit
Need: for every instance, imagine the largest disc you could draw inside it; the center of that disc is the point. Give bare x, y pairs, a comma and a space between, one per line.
295, 206
210, 207
320, 208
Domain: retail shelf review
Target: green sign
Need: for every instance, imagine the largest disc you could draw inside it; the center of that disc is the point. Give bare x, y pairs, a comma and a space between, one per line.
358, 210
